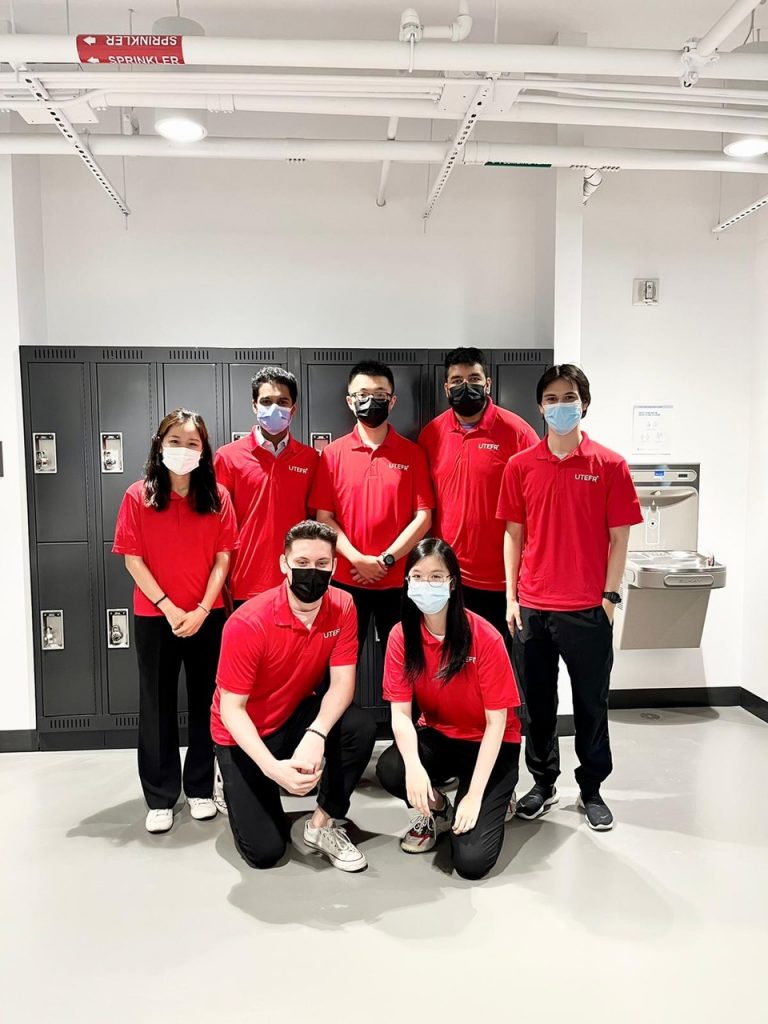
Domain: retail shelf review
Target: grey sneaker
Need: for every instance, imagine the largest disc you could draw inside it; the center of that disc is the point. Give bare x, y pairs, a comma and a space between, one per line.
598, 814
333, 842
425, 828
536, 802
218, 789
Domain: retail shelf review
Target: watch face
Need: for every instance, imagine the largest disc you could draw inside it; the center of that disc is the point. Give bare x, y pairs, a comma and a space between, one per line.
389, 559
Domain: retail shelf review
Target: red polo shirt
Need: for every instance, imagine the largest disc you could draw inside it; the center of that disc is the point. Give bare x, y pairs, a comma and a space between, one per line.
271, 657
178, 545
457, 708
269, 493
467, 466
566, 507
373, 495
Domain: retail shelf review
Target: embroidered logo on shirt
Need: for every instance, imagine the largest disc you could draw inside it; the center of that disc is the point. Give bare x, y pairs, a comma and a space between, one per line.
398, 465
330, 633
298, 469
471, 657
585, 476
489, 447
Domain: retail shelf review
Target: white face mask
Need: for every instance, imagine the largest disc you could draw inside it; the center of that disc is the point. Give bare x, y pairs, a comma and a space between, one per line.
181, 460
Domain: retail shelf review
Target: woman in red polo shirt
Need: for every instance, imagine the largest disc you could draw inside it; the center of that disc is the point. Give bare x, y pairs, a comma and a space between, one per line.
176, 529
455, 664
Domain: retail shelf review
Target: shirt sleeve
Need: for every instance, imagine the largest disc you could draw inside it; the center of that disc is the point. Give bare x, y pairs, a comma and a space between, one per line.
396, 686
494, 670
242, 648
345, 649
527, 437
227, 540
323, 493
423, 492
623, 505
222, 470
511, 505
128, 527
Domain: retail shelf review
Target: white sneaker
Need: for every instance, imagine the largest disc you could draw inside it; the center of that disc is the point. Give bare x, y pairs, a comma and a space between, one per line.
333, 841
159, 821
511, 809
218, 789
201, 808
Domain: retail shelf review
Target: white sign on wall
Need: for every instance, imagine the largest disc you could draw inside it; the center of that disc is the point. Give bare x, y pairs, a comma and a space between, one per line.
652, 429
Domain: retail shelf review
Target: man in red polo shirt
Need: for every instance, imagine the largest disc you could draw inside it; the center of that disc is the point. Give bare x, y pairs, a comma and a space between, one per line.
373, 488
568, 504
270, 727
268, 474
468, 447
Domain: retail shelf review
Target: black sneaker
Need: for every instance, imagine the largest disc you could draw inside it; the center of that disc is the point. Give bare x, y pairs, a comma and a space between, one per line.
598, 814
536, 802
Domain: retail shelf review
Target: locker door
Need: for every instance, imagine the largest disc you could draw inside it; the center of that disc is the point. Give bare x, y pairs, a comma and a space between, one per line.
57, 406
517, 372
196, 386
239, 376
122, 691
68, 678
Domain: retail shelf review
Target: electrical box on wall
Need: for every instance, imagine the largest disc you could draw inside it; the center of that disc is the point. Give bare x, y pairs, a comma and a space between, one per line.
645, 291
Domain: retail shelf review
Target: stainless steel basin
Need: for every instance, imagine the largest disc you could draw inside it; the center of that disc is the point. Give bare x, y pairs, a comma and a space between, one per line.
662, 570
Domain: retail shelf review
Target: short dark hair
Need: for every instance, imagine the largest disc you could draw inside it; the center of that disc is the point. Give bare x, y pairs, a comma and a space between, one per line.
275, 375
310, 529
565, 371
465, 357
371, 368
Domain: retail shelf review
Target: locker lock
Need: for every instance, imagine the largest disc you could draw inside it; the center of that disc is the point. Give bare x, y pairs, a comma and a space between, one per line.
117, 628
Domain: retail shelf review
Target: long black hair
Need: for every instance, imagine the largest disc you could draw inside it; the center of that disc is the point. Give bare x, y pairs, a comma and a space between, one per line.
203, 492
458, 635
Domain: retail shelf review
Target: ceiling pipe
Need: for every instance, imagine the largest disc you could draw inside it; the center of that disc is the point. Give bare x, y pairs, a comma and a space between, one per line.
411, 29
356, 151
483, 58
723, 27
381, 194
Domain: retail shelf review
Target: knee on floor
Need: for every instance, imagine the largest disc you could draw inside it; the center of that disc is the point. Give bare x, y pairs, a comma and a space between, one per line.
472, 866
265, 857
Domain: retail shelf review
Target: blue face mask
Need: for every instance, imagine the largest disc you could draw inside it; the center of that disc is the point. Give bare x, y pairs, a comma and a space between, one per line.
428, 599
273, 418
563, 417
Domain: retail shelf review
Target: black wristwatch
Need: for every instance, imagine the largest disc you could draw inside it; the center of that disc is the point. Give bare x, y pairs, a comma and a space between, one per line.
388, 559
612, 596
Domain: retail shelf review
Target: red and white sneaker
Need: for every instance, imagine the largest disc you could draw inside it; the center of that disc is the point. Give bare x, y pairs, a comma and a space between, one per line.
426, 828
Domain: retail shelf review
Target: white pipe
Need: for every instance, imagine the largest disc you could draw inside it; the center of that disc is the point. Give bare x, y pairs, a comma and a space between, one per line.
457, 31
533, 113
381, 194
723, 27
355, 151
395, 56
354, 106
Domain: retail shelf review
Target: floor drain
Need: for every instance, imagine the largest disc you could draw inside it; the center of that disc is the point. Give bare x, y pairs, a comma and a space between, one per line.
651, 716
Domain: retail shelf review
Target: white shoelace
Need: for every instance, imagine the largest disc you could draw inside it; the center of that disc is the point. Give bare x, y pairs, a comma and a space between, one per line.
422, 823
339, 838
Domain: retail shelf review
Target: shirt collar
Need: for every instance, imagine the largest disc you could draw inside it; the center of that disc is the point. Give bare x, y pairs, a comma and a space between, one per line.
283, 613
259, 441
485, 422
358, 442
586, 448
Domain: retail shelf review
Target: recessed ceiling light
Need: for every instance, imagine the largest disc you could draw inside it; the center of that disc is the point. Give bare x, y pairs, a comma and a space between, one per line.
746, 146
180, 129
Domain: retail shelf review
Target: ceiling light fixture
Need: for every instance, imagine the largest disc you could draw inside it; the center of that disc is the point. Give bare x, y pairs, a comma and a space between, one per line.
180, 125
746, 146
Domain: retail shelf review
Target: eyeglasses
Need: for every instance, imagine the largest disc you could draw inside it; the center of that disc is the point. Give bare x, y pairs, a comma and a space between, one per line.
435, 579
384, 396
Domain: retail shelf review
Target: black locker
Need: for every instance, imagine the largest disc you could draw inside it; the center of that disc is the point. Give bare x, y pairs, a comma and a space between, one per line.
194, 382
239, 418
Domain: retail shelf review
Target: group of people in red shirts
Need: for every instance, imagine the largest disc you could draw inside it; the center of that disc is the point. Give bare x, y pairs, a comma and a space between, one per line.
478, 548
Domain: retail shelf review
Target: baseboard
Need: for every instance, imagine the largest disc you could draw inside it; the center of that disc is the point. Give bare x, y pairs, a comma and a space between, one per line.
675, 697
17, 741
754, 704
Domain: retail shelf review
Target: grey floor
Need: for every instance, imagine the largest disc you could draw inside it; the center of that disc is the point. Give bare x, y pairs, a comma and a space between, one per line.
663, 919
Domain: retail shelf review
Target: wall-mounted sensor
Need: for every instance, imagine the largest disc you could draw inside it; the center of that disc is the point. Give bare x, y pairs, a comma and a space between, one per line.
645, 291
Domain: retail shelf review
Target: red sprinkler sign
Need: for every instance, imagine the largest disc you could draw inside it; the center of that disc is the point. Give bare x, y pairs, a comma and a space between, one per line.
130, 49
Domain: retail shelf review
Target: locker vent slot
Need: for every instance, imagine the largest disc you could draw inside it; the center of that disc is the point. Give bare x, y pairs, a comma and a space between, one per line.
183, 719
397, 356
255, 355
126, 721
83, 722
55, 353
524, 356
189, 355
116, 355
332, 356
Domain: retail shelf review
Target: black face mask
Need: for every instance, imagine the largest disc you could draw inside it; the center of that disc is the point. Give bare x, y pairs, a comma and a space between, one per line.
309, 585
372, 411
467, 399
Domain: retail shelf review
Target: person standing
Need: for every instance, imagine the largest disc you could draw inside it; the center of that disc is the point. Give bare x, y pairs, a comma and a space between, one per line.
468, 447
568, 505
456, 666
176, 529
373, 489
268, 475
272, 728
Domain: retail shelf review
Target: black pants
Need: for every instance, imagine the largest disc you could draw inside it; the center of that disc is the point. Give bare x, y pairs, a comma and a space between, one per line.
584, 640
474, 852
384, 607
259, 825
160, 656
491, 605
